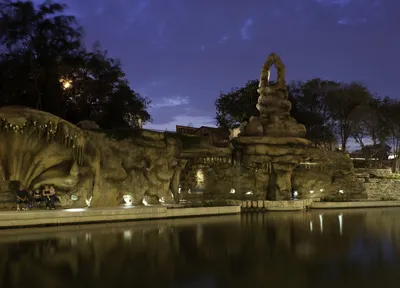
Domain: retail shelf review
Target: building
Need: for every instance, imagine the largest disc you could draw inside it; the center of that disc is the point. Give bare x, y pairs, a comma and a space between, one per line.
218, 136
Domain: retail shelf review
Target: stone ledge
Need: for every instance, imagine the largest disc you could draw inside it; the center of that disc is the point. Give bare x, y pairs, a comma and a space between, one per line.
272, 140
82, 216
295, 205
358, 204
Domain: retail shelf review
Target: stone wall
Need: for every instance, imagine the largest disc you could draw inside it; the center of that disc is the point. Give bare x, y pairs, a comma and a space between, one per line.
380, 184
326, 173
218, 180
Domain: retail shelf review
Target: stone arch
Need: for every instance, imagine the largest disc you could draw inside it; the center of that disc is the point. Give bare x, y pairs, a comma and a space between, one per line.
273, 59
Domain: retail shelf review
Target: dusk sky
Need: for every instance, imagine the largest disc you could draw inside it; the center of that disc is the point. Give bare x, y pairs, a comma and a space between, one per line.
182, 53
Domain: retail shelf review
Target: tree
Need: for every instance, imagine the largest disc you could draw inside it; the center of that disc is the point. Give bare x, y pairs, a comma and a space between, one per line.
45, 66
391, 116
341, 102
237, 106
127, 103
38, 42
309, 108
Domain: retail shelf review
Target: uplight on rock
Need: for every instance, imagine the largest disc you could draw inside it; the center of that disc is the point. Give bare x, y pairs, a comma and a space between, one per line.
89, 201
341, 191
128, 199
311, 191
232, 191
74, 198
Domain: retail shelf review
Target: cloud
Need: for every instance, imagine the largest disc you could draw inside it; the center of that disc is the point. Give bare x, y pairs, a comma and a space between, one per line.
196, 121
223, 39
171, 102
351, 12
245, 29
334, 2
349, 22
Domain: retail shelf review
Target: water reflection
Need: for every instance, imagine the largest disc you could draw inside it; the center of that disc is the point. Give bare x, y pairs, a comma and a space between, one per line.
253, 250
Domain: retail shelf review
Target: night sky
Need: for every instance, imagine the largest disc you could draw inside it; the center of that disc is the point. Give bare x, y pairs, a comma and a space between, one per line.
182, 53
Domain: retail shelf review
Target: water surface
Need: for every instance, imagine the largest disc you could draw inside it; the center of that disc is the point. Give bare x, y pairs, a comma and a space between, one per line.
358, 248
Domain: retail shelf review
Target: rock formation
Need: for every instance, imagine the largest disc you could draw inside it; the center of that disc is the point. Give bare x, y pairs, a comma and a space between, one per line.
274, 108
273, 143
38, 148
91, 166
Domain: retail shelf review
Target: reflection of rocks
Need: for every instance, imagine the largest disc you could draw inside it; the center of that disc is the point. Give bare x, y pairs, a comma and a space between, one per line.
238, 249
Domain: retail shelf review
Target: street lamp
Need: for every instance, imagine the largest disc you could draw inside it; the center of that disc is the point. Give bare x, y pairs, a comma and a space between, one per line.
66, 84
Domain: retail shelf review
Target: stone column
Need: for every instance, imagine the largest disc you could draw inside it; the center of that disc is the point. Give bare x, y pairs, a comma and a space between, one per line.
174, 184
283, 184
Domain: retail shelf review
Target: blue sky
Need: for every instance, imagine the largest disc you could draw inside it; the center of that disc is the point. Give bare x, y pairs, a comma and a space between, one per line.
182, 53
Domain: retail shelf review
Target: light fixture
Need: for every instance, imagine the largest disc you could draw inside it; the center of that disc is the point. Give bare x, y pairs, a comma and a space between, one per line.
128, 199
295, 194
189, 191
89, 201
162, 199
145, 203
341, 191
233, 191
74, 198
249, 193
75, 210
311, 191
321, 190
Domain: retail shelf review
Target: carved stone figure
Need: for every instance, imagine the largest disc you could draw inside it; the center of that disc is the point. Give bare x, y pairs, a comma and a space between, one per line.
38, 148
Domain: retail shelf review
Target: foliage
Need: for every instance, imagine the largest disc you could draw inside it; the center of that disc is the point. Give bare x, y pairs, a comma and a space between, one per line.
309, 108
237, 106
44, 51
391, 115
341, 102
328, 110
379, 151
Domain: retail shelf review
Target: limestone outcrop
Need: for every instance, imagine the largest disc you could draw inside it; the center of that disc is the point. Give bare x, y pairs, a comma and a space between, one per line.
327, 175
273, 143
38, 148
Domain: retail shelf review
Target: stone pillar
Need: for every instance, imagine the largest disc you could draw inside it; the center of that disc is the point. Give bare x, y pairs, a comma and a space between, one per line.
283, 183
174, 184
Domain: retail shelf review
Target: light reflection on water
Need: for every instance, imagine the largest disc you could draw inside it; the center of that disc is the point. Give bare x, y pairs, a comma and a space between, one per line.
297, 249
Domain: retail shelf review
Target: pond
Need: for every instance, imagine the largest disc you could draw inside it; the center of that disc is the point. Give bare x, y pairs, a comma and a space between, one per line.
358, 248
